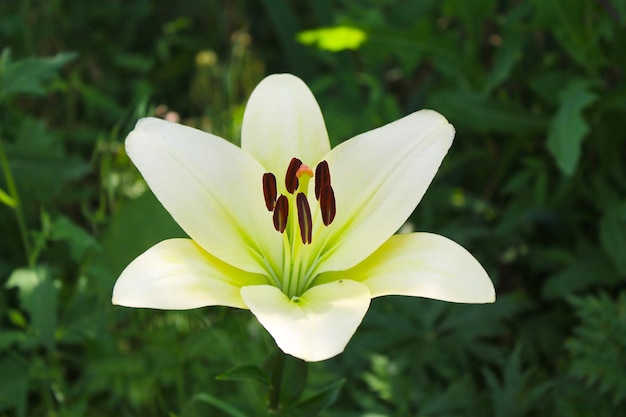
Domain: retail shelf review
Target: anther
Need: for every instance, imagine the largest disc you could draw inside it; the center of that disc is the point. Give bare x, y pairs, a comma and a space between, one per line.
281, 212
269, 190
322, 177
291, 178
304, 218
327, 204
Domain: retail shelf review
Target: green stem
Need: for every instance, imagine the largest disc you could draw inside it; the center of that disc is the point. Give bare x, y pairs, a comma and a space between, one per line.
12, 188
277, 380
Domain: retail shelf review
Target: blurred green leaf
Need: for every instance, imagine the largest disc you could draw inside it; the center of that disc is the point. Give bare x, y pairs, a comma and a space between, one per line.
295, 377
587, 269
482, 114
598, 347
14, 385
286, 26
613, 235
325, 397
333, 39
138, 225
78, 240
245, 373
9, 338
458, 397
380, 378
568, 127
30, 75
514, 394
510, 49
228, 409
40, 164
38, 297
7, 199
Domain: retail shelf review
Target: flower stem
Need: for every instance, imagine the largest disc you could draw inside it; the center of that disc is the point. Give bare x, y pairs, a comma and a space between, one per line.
277, 380
12, 189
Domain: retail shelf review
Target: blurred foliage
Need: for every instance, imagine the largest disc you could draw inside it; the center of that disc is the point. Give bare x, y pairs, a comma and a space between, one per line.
534, 186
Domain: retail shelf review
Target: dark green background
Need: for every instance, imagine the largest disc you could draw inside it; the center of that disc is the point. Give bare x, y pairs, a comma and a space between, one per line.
534, 186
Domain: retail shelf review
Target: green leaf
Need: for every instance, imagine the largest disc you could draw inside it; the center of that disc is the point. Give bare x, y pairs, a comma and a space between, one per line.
7, 199
568, 127
514, 395
228, 409
9, 338
333, 39
245, 373
40, 164
295, 373
14, 383
320, 401
476, 112
588, 268
286, 26
134, 228
613, 235
38, 297
598, 346
510, 49
29, 76
78, 240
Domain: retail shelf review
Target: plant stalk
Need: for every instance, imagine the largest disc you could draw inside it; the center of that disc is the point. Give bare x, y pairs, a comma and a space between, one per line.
19, 214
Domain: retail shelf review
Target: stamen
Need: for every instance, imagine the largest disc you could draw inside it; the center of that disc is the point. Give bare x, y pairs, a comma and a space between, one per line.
291, 178
269, 190
281, 212
322, 177
327, 204
304, 218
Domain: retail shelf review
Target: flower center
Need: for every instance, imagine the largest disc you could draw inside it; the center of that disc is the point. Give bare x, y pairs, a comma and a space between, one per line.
292, 217
296, 184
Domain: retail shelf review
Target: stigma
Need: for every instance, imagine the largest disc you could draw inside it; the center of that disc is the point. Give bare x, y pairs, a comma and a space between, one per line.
297, 178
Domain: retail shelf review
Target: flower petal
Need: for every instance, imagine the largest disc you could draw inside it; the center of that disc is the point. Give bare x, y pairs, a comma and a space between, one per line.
421, 265
177, 274
378, 178
282, 120
316, 326
211, 188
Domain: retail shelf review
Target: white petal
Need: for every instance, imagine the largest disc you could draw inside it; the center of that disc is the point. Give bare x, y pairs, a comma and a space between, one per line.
211, 188
422, 265
378, 178
177, 274
282, 120
318, 325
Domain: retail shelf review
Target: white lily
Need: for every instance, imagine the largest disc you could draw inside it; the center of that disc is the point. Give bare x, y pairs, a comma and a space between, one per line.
300, 234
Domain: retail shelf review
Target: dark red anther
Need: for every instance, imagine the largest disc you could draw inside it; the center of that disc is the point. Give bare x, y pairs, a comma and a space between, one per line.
322, 177
269, 190
304, 218
291, 179
327, 204
281, 212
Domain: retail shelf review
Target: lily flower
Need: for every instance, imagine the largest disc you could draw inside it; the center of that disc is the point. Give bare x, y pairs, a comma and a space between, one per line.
300, 234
